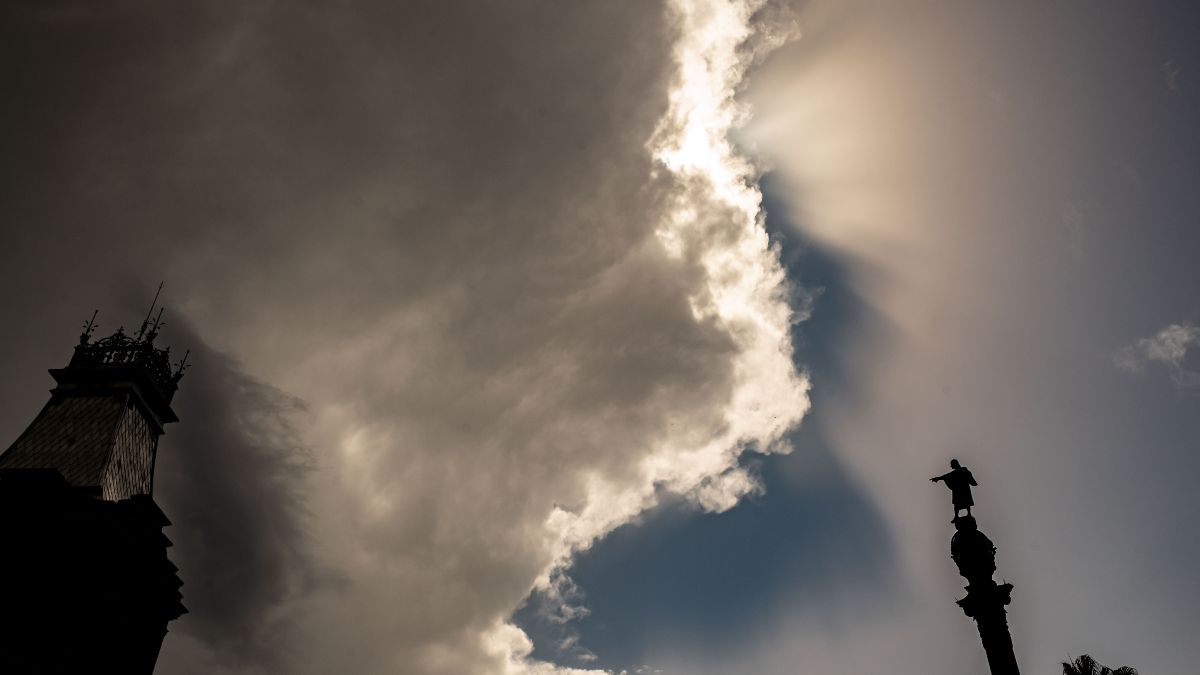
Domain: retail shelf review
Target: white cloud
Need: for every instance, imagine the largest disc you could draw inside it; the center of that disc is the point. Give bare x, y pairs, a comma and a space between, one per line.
1168, 348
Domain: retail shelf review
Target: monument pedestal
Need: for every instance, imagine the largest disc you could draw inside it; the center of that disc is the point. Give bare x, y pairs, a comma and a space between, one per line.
986, 600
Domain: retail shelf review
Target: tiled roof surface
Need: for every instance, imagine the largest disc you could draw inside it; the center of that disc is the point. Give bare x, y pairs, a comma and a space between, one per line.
130, 468
73, 435
98, 441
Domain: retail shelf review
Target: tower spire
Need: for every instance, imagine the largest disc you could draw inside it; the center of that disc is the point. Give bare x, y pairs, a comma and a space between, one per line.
146, 324
88, 328
113, 400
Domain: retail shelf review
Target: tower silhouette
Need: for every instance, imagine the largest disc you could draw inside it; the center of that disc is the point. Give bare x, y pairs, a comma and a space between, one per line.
975, 556
85, 583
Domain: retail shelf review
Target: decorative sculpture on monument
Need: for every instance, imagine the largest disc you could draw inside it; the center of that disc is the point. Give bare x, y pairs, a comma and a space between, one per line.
959, 480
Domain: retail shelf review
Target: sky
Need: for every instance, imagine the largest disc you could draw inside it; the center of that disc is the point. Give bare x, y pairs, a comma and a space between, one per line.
536, 338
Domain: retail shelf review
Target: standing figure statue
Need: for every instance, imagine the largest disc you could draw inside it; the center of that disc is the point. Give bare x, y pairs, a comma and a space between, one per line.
959, 480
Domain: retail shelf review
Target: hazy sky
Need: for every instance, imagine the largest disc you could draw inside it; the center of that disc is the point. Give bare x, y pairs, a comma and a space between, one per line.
555, 337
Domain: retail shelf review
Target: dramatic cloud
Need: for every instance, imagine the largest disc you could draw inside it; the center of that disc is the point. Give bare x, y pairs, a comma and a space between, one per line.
1168, 348
232, 477
505, 254
509, 260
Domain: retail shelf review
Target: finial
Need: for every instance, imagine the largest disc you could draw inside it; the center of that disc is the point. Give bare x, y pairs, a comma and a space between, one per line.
88, 328
137, 350
155, 326
146, 322
180, 366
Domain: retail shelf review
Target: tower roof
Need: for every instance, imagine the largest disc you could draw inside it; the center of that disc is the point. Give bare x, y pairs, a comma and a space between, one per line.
100, 428
126, 361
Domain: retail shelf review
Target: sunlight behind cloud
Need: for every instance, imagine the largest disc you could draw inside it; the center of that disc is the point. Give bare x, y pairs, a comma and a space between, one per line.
715, 219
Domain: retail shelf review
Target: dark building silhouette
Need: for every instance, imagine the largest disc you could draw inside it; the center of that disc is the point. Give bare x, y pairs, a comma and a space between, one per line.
975, 556
85, 583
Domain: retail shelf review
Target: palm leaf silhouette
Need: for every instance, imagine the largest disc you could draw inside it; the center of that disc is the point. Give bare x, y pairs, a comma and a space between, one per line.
1086, 665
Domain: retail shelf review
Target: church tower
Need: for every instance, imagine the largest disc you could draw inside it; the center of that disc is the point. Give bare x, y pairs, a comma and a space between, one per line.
85, 583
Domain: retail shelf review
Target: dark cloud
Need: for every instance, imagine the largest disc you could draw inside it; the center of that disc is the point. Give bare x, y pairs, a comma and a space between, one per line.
438, 224
231, 476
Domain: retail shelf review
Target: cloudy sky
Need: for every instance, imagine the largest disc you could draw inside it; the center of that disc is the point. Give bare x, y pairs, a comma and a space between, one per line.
544, 338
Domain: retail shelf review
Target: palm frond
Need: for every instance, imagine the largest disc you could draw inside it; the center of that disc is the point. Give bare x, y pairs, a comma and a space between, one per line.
1086, 665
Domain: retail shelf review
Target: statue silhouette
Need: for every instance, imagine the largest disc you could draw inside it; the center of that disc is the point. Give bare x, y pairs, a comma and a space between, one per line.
959, 480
